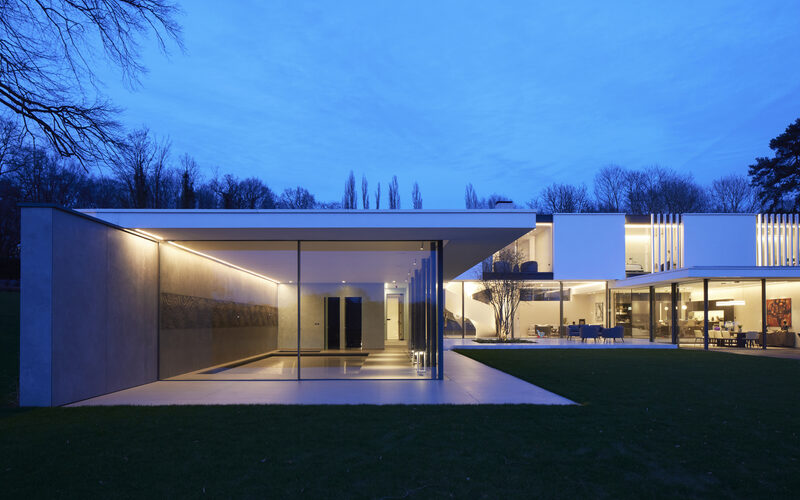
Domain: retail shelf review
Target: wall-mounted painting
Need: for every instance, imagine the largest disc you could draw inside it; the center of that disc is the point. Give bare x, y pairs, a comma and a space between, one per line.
598, 311
779, 312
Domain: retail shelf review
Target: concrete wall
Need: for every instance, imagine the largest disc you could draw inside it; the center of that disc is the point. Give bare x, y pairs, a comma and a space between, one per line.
719, 240
89, 308
588, 246
198, 343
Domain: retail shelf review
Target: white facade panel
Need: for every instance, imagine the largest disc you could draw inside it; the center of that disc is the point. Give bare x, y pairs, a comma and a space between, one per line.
588, 246
719, 240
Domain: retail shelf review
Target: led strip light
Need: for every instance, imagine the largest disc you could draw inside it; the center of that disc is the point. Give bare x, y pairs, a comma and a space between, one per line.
215, 259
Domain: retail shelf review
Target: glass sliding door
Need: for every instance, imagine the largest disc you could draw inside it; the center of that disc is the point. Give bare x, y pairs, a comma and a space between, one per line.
662, 314
538, 310
368, 309
585, 302
640, 313
690, 314
734, 310
228, 310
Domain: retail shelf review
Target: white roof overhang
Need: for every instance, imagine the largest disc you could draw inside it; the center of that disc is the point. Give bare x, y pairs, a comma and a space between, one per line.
469, 236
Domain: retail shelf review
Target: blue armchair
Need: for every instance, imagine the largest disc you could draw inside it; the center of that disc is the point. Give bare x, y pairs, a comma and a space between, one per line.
573, 331
589, 332
613, 334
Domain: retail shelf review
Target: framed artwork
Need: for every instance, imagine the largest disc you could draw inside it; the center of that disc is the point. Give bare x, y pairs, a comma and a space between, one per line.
779, 312
598, 311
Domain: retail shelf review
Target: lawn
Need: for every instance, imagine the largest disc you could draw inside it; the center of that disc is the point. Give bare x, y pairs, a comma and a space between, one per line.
652, 424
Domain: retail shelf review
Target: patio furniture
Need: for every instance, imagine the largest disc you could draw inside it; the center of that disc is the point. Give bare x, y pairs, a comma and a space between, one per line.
502, 267
751, 339
613, 334
530, 266
573, 331
589, 332
698, 335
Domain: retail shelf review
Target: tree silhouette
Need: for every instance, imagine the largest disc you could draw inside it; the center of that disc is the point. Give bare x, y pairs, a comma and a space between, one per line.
394, 194
48, 79
777, 179
349, 198
416, 196
364, 193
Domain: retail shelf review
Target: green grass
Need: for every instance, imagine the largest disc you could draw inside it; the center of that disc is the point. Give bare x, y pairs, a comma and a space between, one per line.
9, 350
652, 424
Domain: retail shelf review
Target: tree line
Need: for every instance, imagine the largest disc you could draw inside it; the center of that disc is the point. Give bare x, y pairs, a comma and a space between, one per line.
636, 191
772, 184
144, 173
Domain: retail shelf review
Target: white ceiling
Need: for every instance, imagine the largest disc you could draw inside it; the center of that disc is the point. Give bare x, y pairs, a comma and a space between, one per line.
468, 236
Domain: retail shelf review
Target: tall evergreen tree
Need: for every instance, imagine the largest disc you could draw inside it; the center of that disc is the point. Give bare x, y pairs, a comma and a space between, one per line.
416, 196
394, 194
349, 198
364, 192
777, 179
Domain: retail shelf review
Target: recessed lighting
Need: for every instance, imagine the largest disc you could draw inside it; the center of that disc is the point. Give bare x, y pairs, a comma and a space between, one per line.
343, 281
394, 281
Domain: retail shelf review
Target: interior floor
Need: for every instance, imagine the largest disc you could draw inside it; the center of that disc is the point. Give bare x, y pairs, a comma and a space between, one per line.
393, 362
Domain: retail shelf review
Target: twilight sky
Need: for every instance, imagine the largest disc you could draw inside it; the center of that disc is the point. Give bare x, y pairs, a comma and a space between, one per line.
510, 96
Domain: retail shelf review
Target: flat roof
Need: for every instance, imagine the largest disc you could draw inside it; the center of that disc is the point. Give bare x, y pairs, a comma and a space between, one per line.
709, 272
469, 236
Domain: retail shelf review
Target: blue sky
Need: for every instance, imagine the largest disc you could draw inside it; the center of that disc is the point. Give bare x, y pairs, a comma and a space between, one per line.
510, 96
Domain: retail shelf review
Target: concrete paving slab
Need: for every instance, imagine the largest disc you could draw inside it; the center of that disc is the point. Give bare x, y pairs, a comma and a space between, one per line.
466, 382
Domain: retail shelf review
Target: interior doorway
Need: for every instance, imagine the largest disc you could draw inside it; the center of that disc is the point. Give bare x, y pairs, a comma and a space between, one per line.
394, 316
332, 323
352, 322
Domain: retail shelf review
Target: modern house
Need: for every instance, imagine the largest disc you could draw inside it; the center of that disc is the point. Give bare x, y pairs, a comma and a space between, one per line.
112, 299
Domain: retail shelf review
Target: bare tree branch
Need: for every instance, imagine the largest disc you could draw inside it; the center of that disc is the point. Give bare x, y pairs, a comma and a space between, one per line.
49, 50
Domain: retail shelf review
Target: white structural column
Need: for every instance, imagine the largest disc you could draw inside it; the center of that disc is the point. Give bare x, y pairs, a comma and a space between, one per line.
784, 239
652, 245
671, 252
758, 240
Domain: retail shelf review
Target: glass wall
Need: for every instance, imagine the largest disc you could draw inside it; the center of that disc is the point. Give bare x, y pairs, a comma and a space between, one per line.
638, 250
734, 308
368, 309
690, 313
585, 303
229, 310
662, 314
621, 309
538, 311
224, 302
783, 311
478, 313
454, 324
640, 313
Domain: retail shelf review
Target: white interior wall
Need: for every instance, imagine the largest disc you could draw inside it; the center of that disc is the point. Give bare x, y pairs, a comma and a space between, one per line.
312, 314
481, 315
637, 246
542, 247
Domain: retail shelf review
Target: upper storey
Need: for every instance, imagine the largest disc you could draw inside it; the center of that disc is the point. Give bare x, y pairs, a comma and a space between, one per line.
616, 246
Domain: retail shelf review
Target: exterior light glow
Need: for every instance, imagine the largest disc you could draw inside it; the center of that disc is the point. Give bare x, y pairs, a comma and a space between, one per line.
151, 235
224, 262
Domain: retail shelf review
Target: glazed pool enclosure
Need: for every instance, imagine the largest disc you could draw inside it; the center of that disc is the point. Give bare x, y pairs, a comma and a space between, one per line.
272, 310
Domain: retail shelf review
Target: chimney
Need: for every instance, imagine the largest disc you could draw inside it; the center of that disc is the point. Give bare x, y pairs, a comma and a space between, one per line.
504, 204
